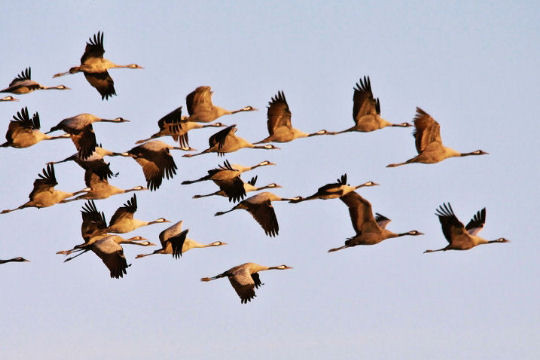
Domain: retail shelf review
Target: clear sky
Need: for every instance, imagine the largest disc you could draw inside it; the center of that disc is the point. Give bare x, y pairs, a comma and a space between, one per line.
472, 65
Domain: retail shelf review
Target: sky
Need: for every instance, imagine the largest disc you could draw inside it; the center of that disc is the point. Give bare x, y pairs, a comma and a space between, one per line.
472, 65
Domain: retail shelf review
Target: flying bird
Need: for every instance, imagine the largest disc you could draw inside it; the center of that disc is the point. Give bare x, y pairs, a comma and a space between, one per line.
175, 242
177, 126
23, 84
123, 221
370, 230
428, 142
461, 237
201, 109
367, 110
334, 190
248, 187
225, 141
15, 259
81, 131
156, 161
245, 278
23, 131
279, 122
95, 67
260, 207
44, 194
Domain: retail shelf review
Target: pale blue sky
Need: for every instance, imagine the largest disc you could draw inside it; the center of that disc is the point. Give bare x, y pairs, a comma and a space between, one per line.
472, 65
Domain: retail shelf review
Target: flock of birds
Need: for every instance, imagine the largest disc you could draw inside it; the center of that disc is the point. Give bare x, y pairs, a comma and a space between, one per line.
157, 163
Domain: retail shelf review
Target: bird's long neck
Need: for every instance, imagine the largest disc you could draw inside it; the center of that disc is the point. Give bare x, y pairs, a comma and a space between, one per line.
48, 137
317, 133
158, 251
404, 124
338, 248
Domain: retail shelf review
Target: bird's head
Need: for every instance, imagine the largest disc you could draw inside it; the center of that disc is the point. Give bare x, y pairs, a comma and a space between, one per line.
162, 220
270, 147
62, 87
120, 119
218, 243
415, 233
8, 98
273, 186
20, 259
480, 152
502, 240
134, 66
265, 163
282, 267
137, 238
217, 124
248, 108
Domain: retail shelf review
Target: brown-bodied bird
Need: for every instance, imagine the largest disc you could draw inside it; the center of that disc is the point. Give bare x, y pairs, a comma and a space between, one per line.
260, 207
8, 98
245, 278
95, 66
81, 131
334, 190
225, 141
461, 237
109, 249
175, 125
227, 177
367, 110
44, 194
428, 142
201, 109
370, 230
248, 187
15, 259
279, 124
156, 161
23, 84
24, 132
99, 187
175, 242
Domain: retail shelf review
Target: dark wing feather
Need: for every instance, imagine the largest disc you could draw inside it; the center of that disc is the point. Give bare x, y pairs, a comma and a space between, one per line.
363, 101
450, 224
477, 222
85, 141
426, 130
173, 125
156, 165
244, 285
253, 181
103, 83
199, 99
361, 212
219, 137
24, 75
45, 181
256, 280
279, 114
265, 215
23, 119
177, 242
125, 211
93, 221
94, 48
233, 188
382, 220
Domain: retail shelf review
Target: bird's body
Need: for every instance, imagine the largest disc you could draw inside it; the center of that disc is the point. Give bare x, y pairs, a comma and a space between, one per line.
367, 110
15, 259
175, 242
370, 230
82, 132
245, 278
23, 131
23, 84
156, 161
123, 222
177, 126
225, 141
95, 67
248, 187
201, 109
279, 122
429, 144
227, 177
462, 237
8, 98
44, 194
260, 207
334, 190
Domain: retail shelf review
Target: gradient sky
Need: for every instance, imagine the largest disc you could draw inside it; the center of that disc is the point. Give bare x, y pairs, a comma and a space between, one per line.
472, 65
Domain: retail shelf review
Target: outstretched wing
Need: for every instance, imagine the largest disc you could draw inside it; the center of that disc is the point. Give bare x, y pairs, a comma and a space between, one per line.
177, 242
244, 284
278, 113
220, 137
126, 211
477, 222
24, 75
265, 215
93, 221
360, 212
426, 130
103, 83
363, 101
452, 228
199, 99
94, 48
382, 220
44, 182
